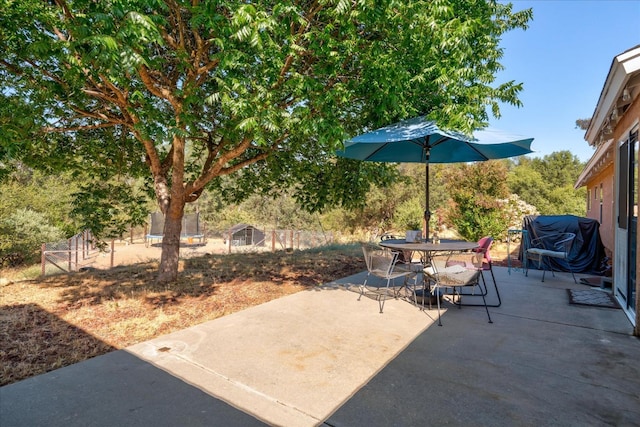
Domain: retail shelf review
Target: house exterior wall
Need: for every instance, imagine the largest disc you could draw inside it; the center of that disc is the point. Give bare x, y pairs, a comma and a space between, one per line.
619, 107
628, 122
600, 205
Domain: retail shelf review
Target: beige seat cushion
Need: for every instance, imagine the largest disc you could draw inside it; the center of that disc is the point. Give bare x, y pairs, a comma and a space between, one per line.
546, 252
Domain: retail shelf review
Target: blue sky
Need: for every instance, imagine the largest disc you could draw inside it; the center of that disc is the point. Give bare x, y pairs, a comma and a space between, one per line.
563, 59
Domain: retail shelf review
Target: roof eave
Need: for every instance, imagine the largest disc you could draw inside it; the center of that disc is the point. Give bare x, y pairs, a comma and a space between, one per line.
622, 67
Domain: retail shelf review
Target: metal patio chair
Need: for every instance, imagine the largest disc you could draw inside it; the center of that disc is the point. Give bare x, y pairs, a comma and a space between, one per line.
450, 271
382, 263
552, 246
484, 249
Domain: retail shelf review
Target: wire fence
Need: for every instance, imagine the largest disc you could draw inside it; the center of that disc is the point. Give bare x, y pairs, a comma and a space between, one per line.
67, 255
283, 240
81, 251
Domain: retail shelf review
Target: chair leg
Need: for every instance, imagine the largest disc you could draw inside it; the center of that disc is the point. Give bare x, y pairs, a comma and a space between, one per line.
495, 285
484, 300
383, 297
436, 289
485, 292
427, 291
415, 293
363, 287
571, 270
487, 309
574, 276
405, 286
546, 265
459, 303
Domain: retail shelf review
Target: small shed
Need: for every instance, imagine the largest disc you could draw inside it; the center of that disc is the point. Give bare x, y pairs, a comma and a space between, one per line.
245, 235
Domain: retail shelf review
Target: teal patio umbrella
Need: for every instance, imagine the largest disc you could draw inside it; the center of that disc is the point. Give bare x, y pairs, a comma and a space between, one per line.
419, 140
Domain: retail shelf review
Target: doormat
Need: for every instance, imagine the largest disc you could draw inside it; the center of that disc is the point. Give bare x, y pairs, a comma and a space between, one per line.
592, 297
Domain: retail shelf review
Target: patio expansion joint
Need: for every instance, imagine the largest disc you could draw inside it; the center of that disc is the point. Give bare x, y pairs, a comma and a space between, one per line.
560, 323
242, 386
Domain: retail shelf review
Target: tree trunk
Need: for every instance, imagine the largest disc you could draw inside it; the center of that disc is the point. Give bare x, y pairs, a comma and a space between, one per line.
168, 271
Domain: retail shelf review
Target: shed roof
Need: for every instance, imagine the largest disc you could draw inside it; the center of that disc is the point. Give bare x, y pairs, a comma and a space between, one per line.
239, 227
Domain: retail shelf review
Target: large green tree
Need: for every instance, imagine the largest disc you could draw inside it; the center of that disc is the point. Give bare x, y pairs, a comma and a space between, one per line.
195, 90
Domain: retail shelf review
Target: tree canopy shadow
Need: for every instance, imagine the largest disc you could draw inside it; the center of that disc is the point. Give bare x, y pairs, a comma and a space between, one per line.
34, 341
201, 277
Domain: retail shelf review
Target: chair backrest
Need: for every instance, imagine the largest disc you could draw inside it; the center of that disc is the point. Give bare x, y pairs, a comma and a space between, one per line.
379, 260
557, 242
484, 246
368, 250
564, 242
455, 268
388, 236
557, 245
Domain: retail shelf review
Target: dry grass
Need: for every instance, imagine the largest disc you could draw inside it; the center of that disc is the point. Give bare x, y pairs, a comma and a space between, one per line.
59, 320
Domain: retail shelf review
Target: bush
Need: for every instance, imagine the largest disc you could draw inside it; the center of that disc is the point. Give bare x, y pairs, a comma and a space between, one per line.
21, 236
408, 216
476, 189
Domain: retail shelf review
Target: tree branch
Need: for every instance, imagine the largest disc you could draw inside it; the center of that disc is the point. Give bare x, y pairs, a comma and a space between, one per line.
47, 73
160, 92
120, 95
65, 8
53, 129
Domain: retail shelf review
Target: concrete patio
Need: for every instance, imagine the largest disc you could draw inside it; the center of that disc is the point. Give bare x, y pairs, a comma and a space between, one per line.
323, 358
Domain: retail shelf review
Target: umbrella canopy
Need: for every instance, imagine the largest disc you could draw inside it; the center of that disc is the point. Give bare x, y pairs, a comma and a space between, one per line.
419, 140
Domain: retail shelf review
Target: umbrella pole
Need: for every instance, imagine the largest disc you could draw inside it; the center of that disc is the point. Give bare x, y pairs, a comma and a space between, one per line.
427, 213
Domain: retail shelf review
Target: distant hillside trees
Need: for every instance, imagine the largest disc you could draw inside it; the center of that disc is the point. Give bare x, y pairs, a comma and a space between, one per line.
547, 183
475, 199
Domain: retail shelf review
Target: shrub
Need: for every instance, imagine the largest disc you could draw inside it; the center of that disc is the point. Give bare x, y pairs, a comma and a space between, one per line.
21, 236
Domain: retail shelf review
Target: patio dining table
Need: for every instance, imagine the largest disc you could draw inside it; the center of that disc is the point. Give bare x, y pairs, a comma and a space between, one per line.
428, 247
427, 250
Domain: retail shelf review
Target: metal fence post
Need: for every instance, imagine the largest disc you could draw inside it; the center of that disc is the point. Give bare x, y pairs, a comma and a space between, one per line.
70, 258
43, 257
76, 250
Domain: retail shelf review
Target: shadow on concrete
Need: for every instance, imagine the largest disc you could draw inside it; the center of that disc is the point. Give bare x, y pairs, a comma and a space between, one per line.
543, 361
116, 389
